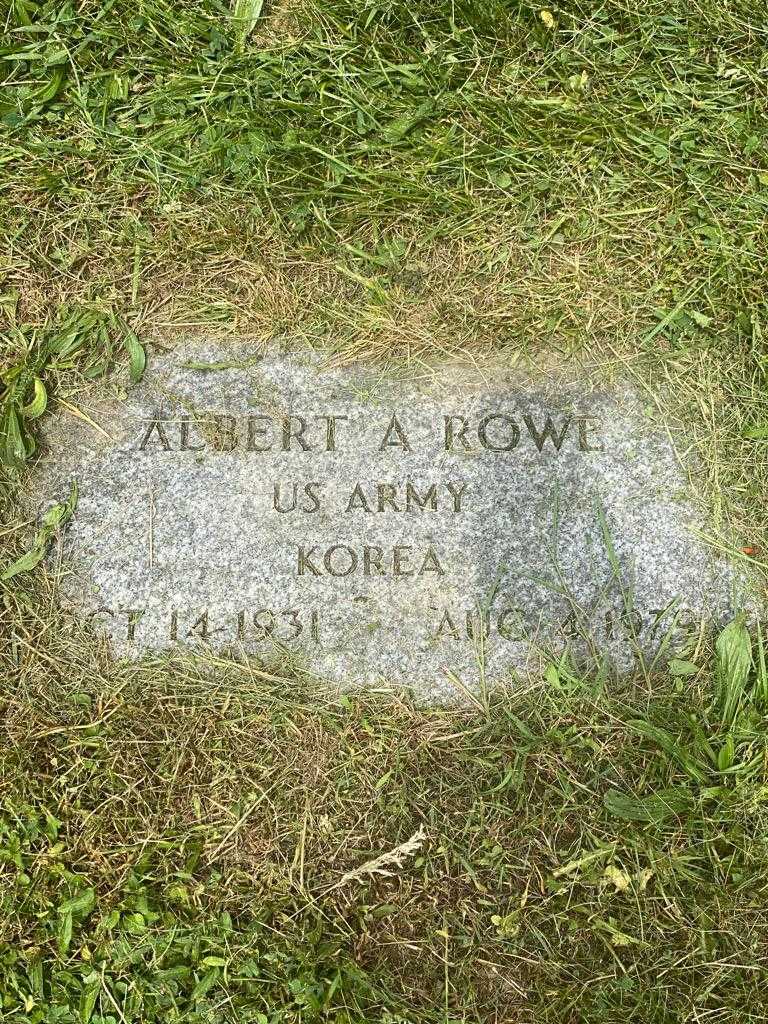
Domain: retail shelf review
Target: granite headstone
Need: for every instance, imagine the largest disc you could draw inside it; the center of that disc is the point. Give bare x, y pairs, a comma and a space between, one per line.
452, 528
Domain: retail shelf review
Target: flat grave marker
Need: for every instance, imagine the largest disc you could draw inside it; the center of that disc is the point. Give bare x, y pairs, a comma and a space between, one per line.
470, 524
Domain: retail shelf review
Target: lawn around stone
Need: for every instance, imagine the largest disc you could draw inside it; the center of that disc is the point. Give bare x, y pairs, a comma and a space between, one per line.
574, 194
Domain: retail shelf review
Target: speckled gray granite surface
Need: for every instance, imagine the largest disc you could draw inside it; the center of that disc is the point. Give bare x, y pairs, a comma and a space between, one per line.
462, 526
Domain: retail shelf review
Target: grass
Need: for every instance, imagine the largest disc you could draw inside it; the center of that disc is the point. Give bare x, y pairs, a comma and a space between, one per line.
581, 852
399, 182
